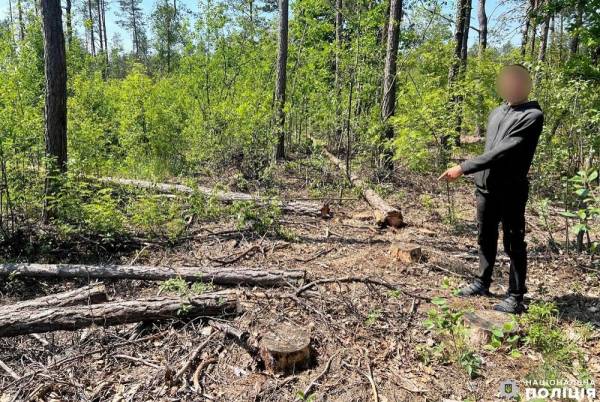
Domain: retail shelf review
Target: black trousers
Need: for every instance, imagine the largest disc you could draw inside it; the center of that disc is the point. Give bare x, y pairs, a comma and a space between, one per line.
508, 208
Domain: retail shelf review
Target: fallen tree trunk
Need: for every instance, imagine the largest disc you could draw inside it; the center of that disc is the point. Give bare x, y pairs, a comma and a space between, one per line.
219, 276
90, 294
291, 207
115, 313
385, 214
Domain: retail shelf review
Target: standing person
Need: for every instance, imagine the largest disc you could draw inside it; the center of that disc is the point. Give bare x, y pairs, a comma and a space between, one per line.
502, 187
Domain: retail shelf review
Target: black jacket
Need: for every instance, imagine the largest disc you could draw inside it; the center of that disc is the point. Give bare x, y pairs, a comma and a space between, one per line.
512, 136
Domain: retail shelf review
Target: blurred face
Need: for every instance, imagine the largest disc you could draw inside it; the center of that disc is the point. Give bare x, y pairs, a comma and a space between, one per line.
514, 84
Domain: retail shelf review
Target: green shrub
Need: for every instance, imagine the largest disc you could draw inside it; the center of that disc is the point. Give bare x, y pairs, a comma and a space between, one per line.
158, 216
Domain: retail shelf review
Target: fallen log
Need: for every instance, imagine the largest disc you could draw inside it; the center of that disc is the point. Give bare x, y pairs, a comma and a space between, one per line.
219, 276
90, 294
321, 210
116, 313
385, 214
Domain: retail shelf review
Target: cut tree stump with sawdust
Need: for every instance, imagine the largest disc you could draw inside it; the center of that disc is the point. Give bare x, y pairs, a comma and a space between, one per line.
481, 324
116, 313
230, 276
285, 349
308, 208
90, 294
385, 214
405, 252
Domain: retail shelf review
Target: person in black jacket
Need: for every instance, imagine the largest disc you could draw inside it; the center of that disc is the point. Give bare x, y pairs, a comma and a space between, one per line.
502, 187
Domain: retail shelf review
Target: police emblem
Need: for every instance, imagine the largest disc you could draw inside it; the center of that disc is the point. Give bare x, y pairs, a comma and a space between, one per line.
509, 389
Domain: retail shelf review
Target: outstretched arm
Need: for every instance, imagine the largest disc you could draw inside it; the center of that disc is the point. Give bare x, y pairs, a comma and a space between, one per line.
532, 125
529, 126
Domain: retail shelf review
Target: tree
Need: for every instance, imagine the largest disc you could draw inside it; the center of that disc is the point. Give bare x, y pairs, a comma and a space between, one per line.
388, 103
459, 63
545, 30
526, 26
282, 54
90, 26
483, 27
132, 20
577, 24
21, 22
465, 38
69, 21
339, 21
167, 25
55, 111
459, 33
534, 24
105, 32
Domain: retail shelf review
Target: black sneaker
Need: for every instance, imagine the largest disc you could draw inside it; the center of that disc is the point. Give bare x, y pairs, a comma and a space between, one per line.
511, 305
474, 289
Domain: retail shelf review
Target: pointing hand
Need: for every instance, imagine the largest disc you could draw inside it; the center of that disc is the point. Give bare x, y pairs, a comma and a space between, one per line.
451, 174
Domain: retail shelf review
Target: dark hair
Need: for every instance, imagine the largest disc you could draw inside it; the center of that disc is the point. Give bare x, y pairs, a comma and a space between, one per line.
517, 65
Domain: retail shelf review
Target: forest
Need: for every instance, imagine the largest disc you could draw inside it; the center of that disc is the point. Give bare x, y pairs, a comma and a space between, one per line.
238, 200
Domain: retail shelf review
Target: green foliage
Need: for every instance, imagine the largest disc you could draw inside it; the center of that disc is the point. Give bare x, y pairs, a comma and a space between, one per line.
200, 102
571, 107
372, 317
307, 398
81, 207
544, 333
262, 219
447, 324
182, 288
206, 208
561, 352
505, 338
102, 215
158, 216
585, 188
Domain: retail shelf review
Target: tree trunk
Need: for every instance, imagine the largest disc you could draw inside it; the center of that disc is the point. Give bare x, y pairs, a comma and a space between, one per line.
136, 39
55, 111
483, 28
10, 16
90, 294
105, 32
459, 32
321, 210
285, 348
339, 21
465, 39
534, 27
21, 22
69, 17
100, 33
560, 36
230, 276
388, 103
457, 67
91, 18
526, 26
282, 54
574, 43
544, 38
116, 313
338, 79
385, 214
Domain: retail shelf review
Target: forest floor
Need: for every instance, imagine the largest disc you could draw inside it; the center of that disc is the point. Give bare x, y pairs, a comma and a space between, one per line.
368, 343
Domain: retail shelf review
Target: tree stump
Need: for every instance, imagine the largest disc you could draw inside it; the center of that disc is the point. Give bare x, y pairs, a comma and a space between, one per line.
285, 349
481, 324
405, 252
